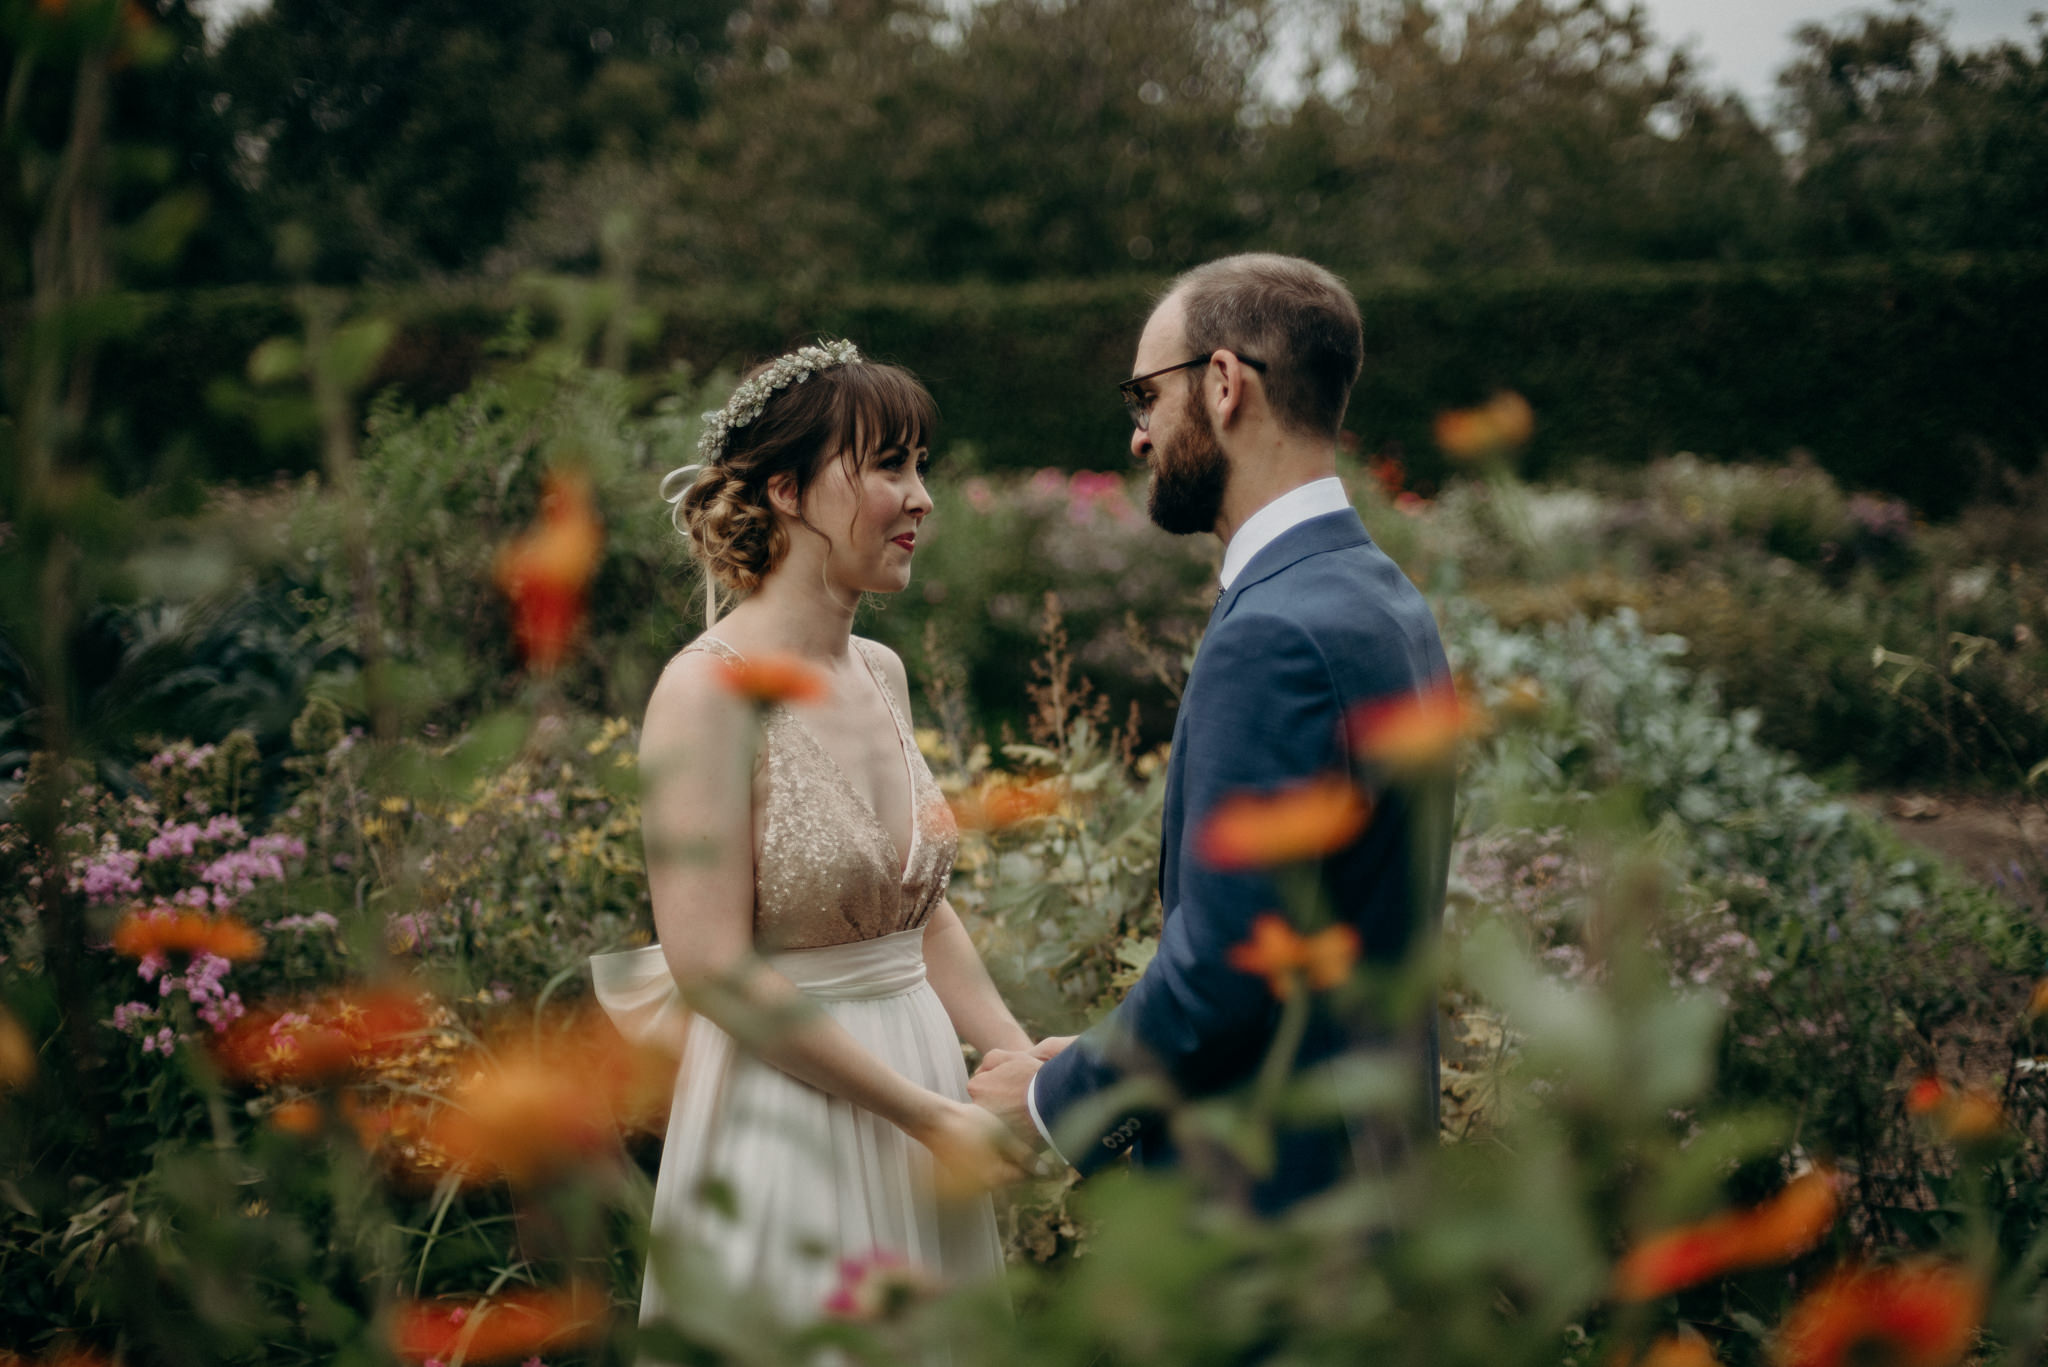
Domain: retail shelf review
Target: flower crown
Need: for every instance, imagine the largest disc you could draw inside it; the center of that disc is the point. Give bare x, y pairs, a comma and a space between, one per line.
751, 397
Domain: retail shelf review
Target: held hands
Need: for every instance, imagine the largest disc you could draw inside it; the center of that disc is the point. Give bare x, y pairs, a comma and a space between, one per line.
1000, 1085
975, 1152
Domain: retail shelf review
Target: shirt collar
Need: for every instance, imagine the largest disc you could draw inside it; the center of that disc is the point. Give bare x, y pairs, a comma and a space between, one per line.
1284, 513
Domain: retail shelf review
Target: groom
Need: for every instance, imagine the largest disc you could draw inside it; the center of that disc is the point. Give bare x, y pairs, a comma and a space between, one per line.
1239, 386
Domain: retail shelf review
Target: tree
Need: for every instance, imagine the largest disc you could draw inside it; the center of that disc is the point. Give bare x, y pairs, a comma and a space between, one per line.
1516, 133
1907, 145
409, 136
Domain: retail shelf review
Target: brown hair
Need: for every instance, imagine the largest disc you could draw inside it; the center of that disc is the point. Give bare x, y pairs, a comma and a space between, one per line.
1292, 314
855, 410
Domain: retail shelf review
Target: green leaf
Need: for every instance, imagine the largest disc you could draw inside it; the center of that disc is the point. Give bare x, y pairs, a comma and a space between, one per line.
276, 360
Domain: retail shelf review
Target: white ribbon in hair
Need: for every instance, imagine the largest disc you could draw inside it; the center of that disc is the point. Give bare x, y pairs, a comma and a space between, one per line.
675, 486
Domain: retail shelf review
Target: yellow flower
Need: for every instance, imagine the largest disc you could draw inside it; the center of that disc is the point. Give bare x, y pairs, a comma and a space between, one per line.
372, 826
457, 819
394, 804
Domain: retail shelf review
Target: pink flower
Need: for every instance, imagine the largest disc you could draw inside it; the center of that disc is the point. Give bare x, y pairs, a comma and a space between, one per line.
879, 1286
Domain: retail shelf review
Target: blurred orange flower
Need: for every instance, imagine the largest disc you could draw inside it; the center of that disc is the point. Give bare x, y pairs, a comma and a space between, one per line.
773, 678
1496, 427
1417, 731
1921, 1315
999, 802
2037, 1001
1674, 1350
1963, 1115
546, 570
517, 1324
319, 1041
1260, 830
17, 1052
167, 930
1783, 1227
1284, 957
540, 1108
302, 1118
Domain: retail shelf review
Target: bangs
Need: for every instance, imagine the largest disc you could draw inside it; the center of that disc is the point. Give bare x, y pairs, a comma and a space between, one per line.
881, 406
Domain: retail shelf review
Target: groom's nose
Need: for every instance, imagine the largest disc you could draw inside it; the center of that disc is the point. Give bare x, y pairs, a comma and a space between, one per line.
1141, 445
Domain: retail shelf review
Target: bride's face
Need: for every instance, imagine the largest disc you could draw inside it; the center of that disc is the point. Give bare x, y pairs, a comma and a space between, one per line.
870, 512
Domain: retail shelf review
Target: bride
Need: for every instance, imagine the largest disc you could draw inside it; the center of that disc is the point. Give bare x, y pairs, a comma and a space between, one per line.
799, 884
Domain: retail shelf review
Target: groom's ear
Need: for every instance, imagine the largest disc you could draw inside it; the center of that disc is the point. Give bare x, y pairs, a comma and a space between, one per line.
1225, 381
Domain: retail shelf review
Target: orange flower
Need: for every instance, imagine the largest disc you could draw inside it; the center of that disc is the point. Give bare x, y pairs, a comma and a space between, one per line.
1675, 1350
302, 1118
1417, 731
320, 1042
1961, 1115
1283, 956
1497, 426
1000, 802
2037, 1001
1783, 1227
514, 1325
537, 1110
773, 678
547, 568
165, 931
1923, 1315
17, 1053
1260, 830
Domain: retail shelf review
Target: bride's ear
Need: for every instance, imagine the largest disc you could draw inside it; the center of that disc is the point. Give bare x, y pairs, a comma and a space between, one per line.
782, 495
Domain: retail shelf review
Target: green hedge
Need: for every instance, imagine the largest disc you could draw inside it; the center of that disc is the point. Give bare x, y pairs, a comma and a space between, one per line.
1920, 378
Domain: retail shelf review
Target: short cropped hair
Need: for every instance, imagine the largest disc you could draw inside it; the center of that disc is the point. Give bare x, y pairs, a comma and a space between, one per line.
1292, 314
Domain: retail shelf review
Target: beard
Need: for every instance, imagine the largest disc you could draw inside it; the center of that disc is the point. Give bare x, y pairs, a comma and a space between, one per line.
1189, 474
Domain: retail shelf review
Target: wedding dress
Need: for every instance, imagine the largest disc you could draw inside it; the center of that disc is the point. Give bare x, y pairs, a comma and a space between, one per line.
812, 1179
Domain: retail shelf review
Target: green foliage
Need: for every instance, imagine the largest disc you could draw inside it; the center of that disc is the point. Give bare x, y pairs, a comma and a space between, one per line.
1744, 362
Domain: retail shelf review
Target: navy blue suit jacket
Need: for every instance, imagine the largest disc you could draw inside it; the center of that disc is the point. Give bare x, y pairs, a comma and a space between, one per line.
1318, 622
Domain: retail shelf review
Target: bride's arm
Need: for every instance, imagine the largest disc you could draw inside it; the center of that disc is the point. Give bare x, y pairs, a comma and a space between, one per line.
964, 987
696, 752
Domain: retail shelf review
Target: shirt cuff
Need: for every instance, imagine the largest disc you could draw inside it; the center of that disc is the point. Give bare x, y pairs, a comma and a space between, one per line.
1031, 1104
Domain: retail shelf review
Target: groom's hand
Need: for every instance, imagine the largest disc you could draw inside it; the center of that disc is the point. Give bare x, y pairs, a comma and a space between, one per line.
999, 1086
1050, 1045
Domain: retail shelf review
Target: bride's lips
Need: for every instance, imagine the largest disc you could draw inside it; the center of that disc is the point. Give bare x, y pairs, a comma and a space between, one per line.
908, 541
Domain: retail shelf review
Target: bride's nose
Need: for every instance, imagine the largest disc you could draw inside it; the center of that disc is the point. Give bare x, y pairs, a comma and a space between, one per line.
918, 502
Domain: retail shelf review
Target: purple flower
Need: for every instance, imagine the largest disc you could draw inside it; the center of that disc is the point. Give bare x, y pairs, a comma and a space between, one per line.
128, 1013
110, 877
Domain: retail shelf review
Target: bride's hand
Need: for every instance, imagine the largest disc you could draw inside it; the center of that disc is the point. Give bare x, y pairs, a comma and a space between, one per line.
975, 1151
1051, 1045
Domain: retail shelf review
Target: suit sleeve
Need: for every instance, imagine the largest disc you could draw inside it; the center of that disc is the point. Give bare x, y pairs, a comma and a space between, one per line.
1262, 713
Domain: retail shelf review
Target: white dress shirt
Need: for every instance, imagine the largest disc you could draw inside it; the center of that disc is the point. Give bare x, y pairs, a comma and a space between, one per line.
1259, 531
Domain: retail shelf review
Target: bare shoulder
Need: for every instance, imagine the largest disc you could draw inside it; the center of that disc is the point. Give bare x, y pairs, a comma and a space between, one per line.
691, 698
893, 673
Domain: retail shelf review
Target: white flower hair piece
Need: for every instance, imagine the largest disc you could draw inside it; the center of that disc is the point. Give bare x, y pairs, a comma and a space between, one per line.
750, 398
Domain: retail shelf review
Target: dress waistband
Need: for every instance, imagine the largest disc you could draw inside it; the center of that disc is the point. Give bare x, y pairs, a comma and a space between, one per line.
881, 967
637, 991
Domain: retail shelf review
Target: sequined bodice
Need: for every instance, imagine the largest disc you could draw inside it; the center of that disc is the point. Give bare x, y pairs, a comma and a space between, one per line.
826, 872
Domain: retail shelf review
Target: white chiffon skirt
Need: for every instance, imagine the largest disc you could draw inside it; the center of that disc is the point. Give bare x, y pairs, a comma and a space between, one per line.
812, 1179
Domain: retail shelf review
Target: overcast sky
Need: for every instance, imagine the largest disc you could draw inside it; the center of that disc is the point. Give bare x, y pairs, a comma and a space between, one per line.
1743, 42
1740, 43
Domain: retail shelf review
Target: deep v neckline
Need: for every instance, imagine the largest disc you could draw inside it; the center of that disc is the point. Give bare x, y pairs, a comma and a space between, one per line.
838, 771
